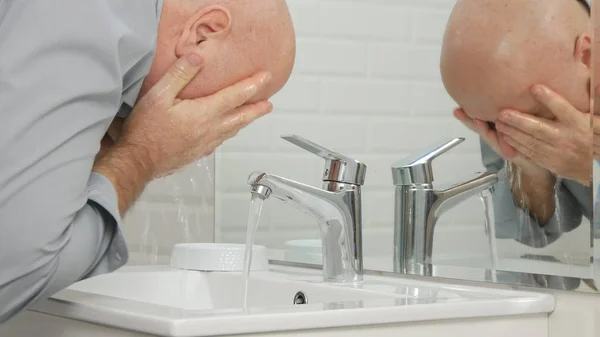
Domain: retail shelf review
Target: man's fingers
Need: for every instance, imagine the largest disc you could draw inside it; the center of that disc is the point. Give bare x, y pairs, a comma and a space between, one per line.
244, 115
491, 137
541, 153
559, 106
462, 117
178, 77
538, 127
238, 94
525, 139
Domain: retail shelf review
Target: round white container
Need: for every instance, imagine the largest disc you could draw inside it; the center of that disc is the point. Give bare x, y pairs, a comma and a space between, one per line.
219, 257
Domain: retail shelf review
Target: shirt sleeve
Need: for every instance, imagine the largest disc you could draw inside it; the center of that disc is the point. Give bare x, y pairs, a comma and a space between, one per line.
513, 222
60, 87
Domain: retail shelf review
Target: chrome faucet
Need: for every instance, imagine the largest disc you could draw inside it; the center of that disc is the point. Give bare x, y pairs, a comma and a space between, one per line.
336, 207
418, 206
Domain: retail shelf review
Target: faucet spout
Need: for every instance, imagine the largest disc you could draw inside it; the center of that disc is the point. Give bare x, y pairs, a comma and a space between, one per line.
335, 207
456, 194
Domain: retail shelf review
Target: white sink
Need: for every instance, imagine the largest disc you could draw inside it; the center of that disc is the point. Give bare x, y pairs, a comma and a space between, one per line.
199, 291
161, 301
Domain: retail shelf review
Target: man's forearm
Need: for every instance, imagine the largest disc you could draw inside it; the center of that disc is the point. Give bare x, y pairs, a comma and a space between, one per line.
127, 168
534, 191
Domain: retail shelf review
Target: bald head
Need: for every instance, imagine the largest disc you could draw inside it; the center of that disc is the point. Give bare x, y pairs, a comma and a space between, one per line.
235, 38
494, 51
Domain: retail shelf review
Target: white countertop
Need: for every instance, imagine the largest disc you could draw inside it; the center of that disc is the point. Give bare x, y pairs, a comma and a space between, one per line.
382, 300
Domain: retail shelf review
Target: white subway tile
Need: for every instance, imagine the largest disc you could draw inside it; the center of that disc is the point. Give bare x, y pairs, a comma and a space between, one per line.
430, 99
365, 20
305, 16
256, 137
301, 93
321, 56
365, 96
401, 61
428, 25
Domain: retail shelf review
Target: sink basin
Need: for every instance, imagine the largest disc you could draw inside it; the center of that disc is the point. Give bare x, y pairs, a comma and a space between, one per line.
163, 301
198, 291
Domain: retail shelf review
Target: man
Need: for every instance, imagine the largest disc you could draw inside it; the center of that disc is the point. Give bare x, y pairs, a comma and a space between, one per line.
187, 74
494, 53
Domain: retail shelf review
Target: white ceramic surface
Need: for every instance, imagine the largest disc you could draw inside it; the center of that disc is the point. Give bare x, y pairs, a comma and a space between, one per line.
217, 257
169, 302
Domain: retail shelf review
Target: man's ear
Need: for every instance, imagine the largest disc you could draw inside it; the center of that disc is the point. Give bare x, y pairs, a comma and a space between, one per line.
583, 50
212, 22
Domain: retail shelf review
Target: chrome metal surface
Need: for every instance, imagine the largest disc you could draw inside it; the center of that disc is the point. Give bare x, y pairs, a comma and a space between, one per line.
418, 206
338, 168
337, 208
262, 191
417, 170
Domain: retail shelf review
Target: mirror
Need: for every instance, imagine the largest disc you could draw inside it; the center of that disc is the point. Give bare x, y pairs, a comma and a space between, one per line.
375, 92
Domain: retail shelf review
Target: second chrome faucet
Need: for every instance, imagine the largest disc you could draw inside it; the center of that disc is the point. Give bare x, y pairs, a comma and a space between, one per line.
418, 206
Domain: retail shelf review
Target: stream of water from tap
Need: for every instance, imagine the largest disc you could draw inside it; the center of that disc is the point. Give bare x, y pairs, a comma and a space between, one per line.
256, 205
490, 226
514, 175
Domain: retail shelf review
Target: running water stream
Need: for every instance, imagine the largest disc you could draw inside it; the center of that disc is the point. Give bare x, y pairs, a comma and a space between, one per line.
256, 206
490, 226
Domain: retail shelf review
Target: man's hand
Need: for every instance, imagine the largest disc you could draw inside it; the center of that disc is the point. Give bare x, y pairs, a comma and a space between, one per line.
532, 186
562, 146
496, 141
164, 134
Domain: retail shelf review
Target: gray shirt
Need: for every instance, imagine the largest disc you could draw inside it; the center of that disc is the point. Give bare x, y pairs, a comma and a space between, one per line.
66, 68
512, 222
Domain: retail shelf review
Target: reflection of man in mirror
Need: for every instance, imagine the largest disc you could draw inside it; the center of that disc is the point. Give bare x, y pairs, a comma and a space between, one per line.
520, 72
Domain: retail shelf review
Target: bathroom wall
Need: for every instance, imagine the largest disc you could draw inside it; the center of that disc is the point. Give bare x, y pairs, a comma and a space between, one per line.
366, 84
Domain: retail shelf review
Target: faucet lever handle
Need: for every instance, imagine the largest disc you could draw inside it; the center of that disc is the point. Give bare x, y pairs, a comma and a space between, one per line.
338, 168
417, 169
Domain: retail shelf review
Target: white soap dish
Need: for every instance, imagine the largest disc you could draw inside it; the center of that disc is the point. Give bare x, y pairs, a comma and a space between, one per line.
221, 257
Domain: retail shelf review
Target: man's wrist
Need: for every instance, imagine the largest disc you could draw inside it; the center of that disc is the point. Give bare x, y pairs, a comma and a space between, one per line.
533, 190
129, 168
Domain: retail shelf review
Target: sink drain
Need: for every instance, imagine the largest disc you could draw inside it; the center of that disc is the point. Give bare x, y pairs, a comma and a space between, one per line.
300, 298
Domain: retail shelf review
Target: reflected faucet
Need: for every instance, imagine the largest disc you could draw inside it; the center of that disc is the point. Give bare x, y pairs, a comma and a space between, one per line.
336, 207
418, 206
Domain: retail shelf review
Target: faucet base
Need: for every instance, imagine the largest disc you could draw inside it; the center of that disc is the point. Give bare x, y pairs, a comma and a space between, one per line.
406, 267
